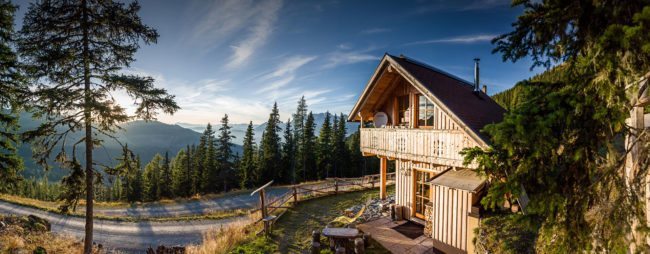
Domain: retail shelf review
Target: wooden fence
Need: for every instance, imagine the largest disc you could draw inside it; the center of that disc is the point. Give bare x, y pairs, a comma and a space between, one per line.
269, 209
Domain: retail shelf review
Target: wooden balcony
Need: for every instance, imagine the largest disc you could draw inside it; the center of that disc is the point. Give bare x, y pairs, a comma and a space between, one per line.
440, 147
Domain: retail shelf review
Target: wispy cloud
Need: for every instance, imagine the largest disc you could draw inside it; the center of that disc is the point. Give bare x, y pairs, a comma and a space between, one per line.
226, 21
458, 39
263, 25
284, 73
375, 30
461, 5
338, 58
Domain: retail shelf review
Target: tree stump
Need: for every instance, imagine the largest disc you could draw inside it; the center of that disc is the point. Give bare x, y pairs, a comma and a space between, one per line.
315, 248
366, 239
359, 246
315, 236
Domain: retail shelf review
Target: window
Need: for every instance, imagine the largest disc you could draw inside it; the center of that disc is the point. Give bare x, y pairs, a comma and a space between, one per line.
403, 110
425, 112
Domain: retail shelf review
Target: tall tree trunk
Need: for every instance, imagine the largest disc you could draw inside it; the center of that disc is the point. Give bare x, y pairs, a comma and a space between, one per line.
88, 240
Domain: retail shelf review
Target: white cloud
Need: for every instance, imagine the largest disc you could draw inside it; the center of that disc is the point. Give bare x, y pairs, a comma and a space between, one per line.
247, 24
284, 73
457, 39
375, 30
348, 57
265, 18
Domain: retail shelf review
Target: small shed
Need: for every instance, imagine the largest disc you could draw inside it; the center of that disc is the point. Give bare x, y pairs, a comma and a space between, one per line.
452, 218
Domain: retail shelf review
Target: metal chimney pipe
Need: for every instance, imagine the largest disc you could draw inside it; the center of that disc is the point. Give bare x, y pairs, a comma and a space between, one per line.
476, 74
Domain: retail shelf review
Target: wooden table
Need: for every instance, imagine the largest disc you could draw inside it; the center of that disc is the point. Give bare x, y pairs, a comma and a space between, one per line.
341, 236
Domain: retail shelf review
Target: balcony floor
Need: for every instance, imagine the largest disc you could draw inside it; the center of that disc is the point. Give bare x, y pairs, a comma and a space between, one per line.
382, 231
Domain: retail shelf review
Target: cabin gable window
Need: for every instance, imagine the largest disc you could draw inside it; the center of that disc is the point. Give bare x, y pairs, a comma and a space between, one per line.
425, 112
403, 110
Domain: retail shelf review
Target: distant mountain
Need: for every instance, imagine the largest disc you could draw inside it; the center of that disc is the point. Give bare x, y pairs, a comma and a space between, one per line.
239, 130
143, 138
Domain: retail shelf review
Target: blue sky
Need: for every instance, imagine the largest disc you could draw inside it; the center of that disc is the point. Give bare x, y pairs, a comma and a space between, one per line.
240, 56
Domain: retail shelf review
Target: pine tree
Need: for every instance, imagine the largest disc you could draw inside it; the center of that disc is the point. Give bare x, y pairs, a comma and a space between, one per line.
164, 188
270, 146
179, 176
135, 187
76, 49
210, 170
224, 153
324, 150
124, 169
561, 143
341, 155
12, 90
308, 147
298, 133
199, 165
152, 178
247, 164
353, 145
288, 156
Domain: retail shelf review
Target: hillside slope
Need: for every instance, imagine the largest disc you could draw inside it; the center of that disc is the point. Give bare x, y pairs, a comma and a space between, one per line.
143, 138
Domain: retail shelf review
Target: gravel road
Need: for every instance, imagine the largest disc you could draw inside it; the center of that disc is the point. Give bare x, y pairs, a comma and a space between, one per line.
242, 200
132, 237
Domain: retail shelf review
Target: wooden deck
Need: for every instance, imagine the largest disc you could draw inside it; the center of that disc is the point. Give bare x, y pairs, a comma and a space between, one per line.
382, 231
440, 147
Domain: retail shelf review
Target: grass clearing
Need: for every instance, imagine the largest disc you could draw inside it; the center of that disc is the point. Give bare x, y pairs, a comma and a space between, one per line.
292, 232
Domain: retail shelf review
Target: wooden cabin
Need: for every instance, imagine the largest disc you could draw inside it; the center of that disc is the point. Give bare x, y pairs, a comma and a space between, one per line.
422, 117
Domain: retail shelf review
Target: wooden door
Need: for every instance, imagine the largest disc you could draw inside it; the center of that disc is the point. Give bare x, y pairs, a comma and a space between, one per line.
422, 191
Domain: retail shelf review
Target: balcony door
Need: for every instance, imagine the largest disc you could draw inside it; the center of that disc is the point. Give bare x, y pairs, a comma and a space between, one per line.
421, 191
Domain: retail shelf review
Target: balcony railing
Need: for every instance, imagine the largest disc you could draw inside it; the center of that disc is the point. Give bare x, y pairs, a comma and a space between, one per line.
431, 146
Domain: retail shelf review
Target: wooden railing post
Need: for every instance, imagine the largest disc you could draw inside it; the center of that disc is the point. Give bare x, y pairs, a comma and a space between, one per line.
382, 175
264, 213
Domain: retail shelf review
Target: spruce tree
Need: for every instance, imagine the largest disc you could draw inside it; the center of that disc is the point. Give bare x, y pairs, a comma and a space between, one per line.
308, 147
210, 169
341, 154
136, 188
562, 142
224, 153
199, 165
124, 169
247, 164
164, 188
298, 133
179, 176
270, 146
324, 150
75, 50
152, 178
13, 90
353, 145
288, 155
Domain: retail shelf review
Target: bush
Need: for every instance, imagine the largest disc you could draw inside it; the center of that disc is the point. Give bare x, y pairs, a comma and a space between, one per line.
507, 233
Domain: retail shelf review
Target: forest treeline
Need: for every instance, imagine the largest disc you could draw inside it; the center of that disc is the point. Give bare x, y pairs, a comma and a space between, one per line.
292, 154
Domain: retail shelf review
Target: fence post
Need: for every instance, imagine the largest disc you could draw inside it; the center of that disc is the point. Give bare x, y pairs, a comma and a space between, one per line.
264, 214
336, 186
295, 195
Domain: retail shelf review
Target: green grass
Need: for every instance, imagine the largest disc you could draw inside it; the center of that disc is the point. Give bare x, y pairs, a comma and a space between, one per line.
292, 232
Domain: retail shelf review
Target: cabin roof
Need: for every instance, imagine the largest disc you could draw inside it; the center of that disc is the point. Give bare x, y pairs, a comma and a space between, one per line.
464, 179
470, 109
